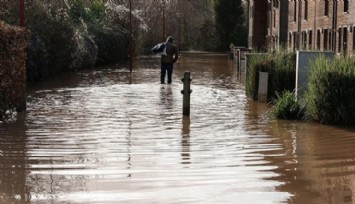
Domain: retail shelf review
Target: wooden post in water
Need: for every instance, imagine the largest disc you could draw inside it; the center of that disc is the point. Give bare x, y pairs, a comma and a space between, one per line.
186, 94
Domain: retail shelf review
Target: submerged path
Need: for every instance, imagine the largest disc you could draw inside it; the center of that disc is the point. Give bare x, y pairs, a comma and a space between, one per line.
108, 136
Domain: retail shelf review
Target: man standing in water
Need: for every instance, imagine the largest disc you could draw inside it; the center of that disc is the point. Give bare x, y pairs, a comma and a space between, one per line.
168, 60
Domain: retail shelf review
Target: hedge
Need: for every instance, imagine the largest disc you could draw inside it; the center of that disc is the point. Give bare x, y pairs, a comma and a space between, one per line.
13, 44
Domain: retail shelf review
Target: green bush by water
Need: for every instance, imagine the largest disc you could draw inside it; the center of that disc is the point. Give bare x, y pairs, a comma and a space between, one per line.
281, 67
71, 35
282, 73
287, 107
330, 97
256, 63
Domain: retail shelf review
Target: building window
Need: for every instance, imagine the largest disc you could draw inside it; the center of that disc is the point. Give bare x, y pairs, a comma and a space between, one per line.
269, 23
345, 40
295, 11
305, 9
310, 40
326, 7
340, 33
346, 6
274, 19
276, 3
295, 41
318, 39
325, 40
304, 40
252, 11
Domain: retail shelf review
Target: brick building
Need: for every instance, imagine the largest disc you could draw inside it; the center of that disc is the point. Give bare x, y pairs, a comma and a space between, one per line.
257, 23
305, 24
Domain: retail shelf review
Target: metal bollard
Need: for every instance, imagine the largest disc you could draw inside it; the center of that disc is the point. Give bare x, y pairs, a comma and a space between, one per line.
186, 92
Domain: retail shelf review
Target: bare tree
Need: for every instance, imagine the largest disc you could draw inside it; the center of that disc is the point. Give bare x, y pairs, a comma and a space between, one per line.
183, 19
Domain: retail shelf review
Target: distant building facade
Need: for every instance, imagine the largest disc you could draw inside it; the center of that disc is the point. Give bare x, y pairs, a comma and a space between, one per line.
325, 25
257, 23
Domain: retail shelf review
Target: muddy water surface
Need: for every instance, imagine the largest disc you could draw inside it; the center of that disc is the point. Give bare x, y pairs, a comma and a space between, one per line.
108, 136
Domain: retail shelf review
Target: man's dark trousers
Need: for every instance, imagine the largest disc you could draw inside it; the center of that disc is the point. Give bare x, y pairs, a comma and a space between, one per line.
166, 68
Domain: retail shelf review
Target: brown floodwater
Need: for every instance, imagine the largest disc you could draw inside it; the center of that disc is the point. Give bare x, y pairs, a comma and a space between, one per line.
108, 136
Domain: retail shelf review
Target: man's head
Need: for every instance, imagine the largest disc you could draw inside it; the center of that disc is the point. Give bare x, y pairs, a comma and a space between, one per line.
170, 39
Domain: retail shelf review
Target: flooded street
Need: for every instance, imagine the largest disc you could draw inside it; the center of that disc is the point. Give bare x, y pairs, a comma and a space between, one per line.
106, 136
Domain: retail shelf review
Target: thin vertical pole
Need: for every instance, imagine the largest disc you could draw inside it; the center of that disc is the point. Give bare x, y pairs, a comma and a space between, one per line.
179, 22
271, 25
130, 37
179, 34
163, 20
299, 19
22, 13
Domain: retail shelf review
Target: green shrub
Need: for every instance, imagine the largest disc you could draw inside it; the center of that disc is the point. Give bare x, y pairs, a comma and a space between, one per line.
85, 51
9, 12
287, 107
255, 62
282, 73
104, 24
281, 70
74, 36
112, 47
52, 42
331, 91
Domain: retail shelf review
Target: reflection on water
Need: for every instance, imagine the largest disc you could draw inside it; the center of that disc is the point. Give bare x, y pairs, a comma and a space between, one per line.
167, 97
111, 136
13, 163
185, 140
